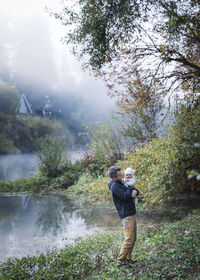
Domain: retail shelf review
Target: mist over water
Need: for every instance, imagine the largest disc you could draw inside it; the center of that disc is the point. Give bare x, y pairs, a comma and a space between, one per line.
17, 166
25, 165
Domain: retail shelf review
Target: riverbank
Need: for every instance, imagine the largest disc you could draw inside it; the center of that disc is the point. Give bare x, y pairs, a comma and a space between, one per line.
167, 248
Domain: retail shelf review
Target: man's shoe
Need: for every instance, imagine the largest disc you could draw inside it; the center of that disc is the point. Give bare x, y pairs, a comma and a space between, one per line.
130, 261
122, 265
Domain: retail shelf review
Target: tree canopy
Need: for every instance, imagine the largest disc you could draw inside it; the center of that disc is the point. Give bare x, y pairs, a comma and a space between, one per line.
143, 48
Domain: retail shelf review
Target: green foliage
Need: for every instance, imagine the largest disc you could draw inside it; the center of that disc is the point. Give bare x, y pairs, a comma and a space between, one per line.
89, 188
152, 162
51, 153
138, 126
97, 189
6, 145
9, 98
98, 26
31, 184
186, 131
70, 175
162, 165
20, 134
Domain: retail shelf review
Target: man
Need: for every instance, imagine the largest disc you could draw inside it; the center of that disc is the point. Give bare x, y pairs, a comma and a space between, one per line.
123, 198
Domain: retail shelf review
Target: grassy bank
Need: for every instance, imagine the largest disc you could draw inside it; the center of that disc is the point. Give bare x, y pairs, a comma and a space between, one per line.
165, 250
31, 184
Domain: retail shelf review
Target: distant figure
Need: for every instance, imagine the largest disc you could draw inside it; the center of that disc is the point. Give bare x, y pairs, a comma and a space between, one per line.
123, 199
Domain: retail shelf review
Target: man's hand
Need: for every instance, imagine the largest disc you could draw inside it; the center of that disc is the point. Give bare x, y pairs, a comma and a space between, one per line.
134, 193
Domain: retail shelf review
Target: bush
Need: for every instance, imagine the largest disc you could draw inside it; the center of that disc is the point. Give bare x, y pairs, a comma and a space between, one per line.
152, 162
162, 165
70, 175
97, 189
95, 166
51, 156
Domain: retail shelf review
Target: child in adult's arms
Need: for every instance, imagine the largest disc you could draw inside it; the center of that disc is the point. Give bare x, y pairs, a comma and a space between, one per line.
130, 179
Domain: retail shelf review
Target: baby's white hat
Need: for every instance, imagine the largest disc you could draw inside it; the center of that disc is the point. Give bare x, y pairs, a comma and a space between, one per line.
129, 170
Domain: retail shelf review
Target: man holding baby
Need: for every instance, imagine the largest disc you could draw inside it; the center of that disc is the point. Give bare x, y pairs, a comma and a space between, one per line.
123, 195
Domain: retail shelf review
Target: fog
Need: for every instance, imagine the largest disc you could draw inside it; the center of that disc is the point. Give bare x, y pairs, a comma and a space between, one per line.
25, 165
17, 166
33, 58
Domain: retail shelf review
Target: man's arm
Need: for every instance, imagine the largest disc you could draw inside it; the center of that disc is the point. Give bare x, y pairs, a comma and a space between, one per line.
120, 193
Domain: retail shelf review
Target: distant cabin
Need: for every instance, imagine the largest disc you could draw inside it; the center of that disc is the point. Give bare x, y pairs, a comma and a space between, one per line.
24, 107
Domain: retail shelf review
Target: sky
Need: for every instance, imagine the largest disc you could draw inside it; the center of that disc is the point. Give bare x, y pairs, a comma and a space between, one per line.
31, 51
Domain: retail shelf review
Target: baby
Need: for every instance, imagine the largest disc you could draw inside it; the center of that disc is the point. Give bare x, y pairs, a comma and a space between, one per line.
130, 179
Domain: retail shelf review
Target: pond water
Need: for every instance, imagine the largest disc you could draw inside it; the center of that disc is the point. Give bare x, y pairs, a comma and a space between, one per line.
33, 224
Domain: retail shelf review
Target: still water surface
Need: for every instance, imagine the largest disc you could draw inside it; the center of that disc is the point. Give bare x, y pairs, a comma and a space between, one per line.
33, 224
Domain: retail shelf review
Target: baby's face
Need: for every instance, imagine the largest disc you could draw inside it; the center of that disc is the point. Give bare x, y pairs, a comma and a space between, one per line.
128, 176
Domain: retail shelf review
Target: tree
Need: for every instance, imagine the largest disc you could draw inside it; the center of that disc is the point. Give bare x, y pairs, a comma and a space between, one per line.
158, 39
9, 98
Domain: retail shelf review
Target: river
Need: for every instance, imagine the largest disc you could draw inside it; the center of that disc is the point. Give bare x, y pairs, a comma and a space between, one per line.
30, 225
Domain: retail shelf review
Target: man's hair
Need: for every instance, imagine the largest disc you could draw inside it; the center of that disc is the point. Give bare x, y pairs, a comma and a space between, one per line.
112, 171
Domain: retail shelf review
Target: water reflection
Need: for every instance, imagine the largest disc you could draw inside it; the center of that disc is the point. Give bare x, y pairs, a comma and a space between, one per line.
29, 225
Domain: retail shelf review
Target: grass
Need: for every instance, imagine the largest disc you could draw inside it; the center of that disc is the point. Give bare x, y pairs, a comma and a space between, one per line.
165, 249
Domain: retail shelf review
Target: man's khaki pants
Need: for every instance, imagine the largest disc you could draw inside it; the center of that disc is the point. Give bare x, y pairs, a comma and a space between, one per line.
130, 232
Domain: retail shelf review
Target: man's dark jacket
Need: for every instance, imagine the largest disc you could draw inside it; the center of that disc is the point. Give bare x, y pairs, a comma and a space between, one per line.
122, 199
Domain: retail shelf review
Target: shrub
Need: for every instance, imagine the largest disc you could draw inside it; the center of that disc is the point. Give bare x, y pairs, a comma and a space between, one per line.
51, 156
152, 163
162, 165
70, 175
98, 189
95, 166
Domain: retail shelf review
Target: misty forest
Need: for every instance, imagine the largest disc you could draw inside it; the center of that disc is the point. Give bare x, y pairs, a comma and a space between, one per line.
57, 216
